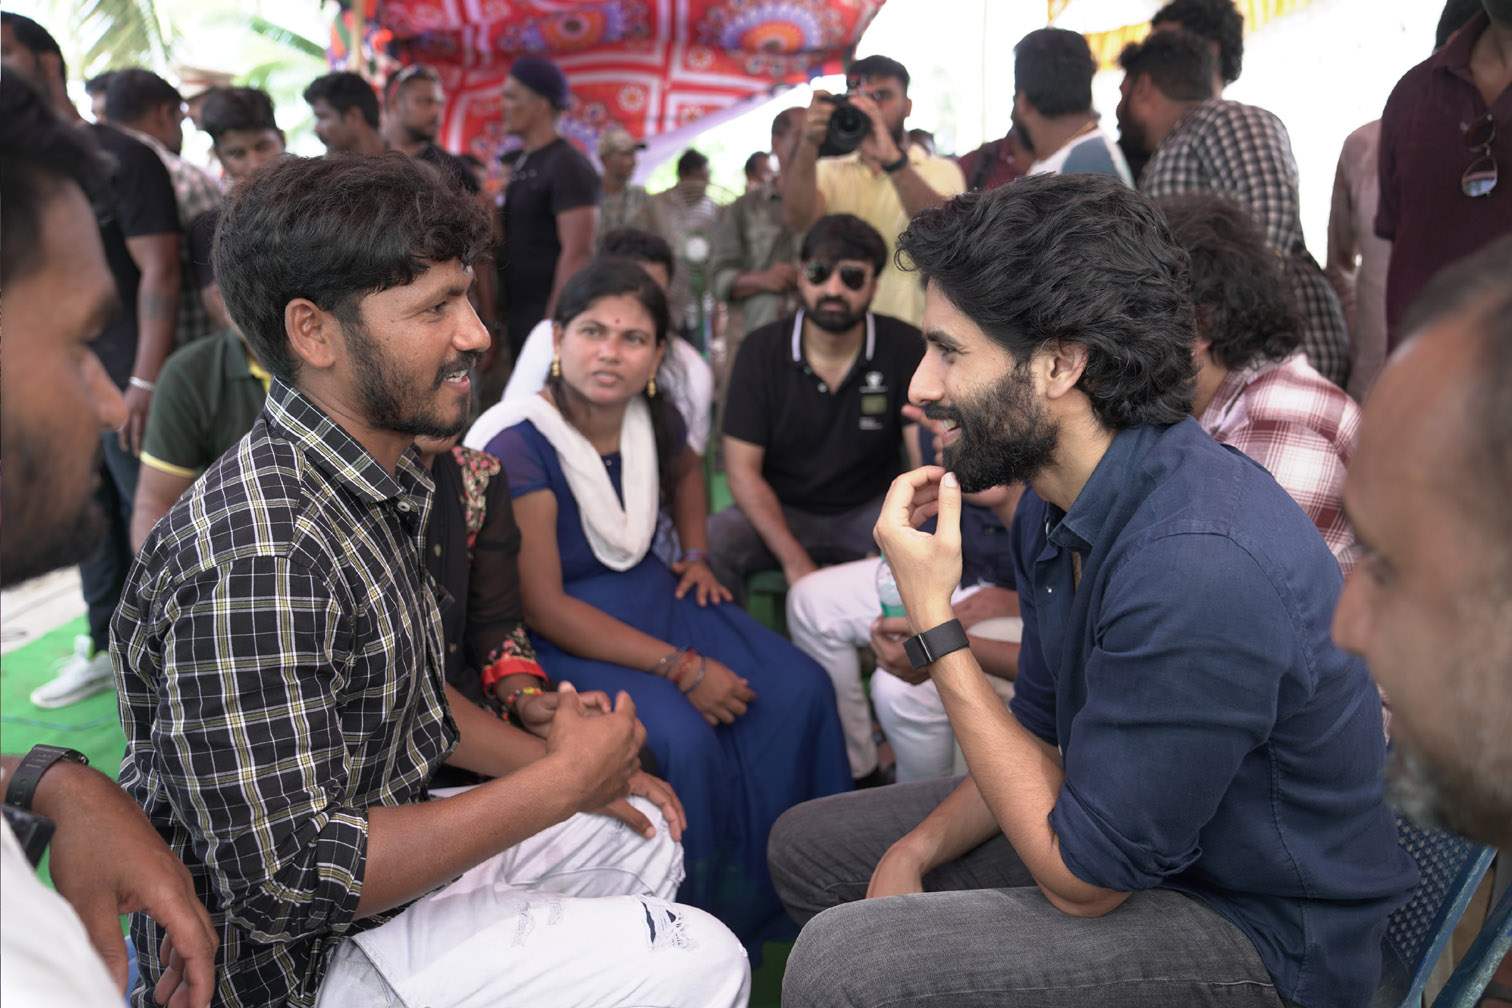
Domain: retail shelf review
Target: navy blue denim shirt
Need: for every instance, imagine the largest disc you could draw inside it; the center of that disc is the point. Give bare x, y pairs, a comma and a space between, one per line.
1215, 740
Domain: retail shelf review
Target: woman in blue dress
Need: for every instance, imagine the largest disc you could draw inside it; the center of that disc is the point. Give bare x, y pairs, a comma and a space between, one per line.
742, 723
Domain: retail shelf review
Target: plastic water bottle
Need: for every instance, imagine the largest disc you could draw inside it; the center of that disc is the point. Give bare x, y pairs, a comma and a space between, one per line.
887, 590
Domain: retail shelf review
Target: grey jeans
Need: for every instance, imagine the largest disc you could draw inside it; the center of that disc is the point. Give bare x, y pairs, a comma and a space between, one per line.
983, 934
737, 550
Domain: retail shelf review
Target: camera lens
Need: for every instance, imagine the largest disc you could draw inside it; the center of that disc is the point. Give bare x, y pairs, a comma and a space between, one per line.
848, 126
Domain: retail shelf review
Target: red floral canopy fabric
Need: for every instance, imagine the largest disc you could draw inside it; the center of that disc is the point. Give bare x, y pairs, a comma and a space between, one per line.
654, 67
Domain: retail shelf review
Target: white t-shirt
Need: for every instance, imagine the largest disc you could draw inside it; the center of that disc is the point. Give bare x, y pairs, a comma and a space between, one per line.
1094, 152
684, 374
45, 955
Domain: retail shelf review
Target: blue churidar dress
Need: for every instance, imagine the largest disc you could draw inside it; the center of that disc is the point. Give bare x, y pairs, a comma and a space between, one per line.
734, 780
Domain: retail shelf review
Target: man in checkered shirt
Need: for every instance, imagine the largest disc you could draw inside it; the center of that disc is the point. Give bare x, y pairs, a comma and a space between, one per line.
1254, 390
279, 654
1204, 143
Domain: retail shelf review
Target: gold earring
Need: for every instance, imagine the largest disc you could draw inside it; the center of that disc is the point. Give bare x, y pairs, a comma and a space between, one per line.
651, 387
556, 365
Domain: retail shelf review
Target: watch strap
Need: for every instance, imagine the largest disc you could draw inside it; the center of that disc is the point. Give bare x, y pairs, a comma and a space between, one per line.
897, 165
935, 643
22, 785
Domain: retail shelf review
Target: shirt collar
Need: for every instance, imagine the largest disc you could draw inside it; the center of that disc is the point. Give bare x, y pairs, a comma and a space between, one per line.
151, 141
1454, 55
330, 448
867, 351
1079, 528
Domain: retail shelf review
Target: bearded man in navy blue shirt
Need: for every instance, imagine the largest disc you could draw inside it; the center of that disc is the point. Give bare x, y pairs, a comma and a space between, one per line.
1184, 802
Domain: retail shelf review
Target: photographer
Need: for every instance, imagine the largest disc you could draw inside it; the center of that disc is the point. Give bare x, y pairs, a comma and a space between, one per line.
877, 176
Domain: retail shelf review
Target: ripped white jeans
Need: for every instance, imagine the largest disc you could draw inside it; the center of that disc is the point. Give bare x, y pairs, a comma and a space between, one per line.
578, 915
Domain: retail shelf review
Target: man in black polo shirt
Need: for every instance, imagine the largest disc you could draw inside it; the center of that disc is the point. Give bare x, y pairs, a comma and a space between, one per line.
813, 428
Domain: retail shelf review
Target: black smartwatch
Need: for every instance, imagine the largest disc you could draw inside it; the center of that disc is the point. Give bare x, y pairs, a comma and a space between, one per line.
23, 782
936, 643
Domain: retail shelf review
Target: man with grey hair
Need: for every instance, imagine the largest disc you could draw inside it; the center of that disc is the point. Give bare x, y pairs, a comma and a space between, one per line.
1429, 606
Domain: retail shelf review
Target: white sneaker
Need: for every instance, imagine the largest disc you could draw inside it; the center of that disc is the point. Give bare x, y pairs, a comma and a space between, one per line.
82, 675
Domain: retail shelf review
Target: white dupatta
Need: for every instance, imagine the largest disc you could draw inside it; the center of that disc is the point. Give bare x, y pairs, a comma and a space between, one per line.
619, 535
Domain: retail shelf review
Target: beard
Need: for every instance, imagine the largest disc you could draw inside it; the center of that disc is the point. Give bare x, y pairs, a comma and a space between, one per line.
1004, 434
41, 531
1131, 132
1022, 132
1452, 797
834, 315
390, 402
1457, 775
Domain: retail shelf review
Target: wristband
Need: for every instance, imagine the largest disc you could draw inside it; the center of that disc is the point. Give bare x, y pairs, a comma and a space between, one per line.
934, 644
898, 165
23, 782
666, 659
513, 698
696, 555
141, 383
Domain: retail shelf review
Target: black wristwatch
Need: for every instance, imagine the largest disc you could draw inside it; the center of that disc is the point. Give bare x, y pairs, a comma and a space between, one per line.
898, 165
23, 782
936, 643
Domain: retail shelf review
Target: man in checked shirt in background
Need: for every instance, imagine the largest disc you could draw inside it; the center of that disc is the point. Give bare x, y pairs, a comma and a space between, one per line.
1255, 390
1201, 143
279, 657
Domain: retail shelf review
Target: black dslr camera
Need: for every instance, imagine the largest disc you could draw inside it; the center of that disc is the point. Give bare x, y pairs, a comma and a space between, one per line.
848, 126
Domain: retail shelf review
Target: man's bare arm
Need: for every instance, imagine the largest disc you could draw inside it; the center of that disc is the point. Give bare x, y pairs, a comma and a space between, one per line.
802, 202
106, 859
589, 762
758, 502
157, 258
576, 229
1019, 776
157, 492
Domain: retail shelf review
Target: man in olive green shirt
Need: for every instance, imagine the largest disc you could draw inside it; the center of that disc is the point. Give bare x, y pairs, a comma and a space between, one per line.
208, 395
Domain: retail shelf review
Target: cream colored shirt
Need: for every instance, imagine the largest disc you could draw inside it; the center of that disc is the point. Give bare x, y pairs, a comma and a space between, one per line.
851, 186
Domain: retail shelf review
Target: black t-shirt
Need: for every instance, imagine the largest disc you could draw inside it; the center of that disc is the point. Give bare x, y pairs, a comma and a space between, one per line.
143, 204
826, 452
201, 245
451, 166
544, 183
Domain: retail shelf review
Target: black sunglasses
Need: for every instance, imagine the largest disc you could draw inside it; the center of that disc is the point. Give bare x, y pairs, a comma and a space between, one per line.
853, 277
1480, 178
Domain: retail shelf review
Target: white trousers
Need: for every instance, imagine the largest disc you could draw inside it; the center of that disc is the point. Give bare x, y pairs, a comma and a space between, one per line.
829, 615
579, 915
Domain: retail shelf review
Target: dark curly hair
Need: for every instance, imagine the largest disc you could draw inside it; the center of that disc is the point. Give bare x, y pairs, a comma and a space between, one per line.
335, 229
1236, 280
609, 277
1178, 63
1215, 20
1074, 258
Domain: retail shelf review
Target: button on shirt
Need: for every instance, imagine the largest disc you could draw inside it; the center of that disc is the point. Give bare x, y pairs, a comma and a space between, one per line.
1215, 741
279, 658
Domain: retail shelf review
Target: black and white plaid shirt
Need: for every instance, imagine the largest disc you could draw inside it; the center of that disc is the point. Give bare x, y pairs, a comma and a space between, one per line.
1243, 152
279, 657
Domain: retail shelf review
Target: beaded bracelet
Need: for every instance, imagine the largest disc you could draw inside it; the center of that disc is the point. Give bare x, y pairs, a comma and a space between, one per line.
699, 556
513, 698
